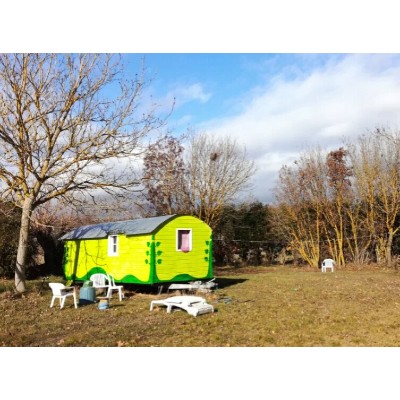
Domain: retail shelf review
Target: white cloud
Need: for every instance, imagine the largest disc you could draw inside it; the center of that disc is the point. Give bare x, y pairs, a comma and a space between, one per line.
340, 100
192, 92
176, 98
186, 94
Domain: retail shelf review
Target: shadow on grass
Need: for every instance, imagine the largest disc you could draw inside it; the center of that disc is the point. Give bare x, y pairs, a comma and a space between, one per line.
131, 289
227, 282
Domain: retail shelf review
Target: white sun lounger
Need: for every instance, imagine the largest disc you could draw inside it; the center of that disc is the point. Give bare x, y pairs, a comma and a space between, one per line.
194, 305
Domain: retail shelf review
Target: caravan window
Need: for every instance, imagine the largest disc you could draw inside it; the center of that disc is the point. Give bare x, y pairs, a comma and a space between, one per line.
184, 240
113, 245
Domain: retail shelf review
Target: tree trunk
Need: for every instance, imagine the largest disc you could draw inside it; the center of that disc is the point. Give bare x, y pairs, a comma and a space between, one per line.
389, 243
23, 246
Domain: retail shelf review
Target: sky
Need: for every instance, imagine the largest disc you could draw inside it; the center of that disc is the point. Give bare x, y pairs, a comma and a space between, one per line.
278, 77
276, 105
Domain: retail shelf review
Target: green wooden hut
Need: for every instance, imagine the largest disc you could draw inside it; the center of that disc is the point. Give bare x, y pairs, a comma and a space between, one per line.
169, 248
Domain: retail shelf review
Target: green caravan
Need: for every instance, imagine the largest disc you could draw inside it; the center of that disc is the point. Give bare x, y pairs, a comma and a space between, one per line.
169, 248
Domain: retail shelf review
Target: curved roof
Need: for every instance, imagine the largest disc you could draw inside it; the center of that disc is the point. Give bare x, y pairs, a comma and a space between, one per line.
131, 227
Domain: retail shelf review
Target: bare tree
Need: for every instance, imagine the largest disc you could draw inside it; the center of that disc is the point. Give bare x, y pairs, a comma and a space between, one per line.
338, 197
164, 173
218, 169
300, 193
65, 121
376, 167
347, 205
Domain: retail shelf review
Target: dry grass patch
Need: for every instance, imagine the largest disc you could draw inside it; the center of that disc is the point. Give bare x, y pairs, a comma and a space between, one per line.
256, 307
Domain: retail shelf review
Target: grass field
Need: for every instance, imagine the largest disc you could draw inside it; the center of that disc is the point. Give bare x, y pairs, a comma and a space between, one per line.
255, 307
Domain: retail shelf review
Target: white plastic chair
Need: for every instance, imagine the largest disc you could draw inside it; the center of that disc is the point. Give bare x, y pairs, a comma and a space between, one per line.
326, 264
113, 286
100, 281
61, 292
